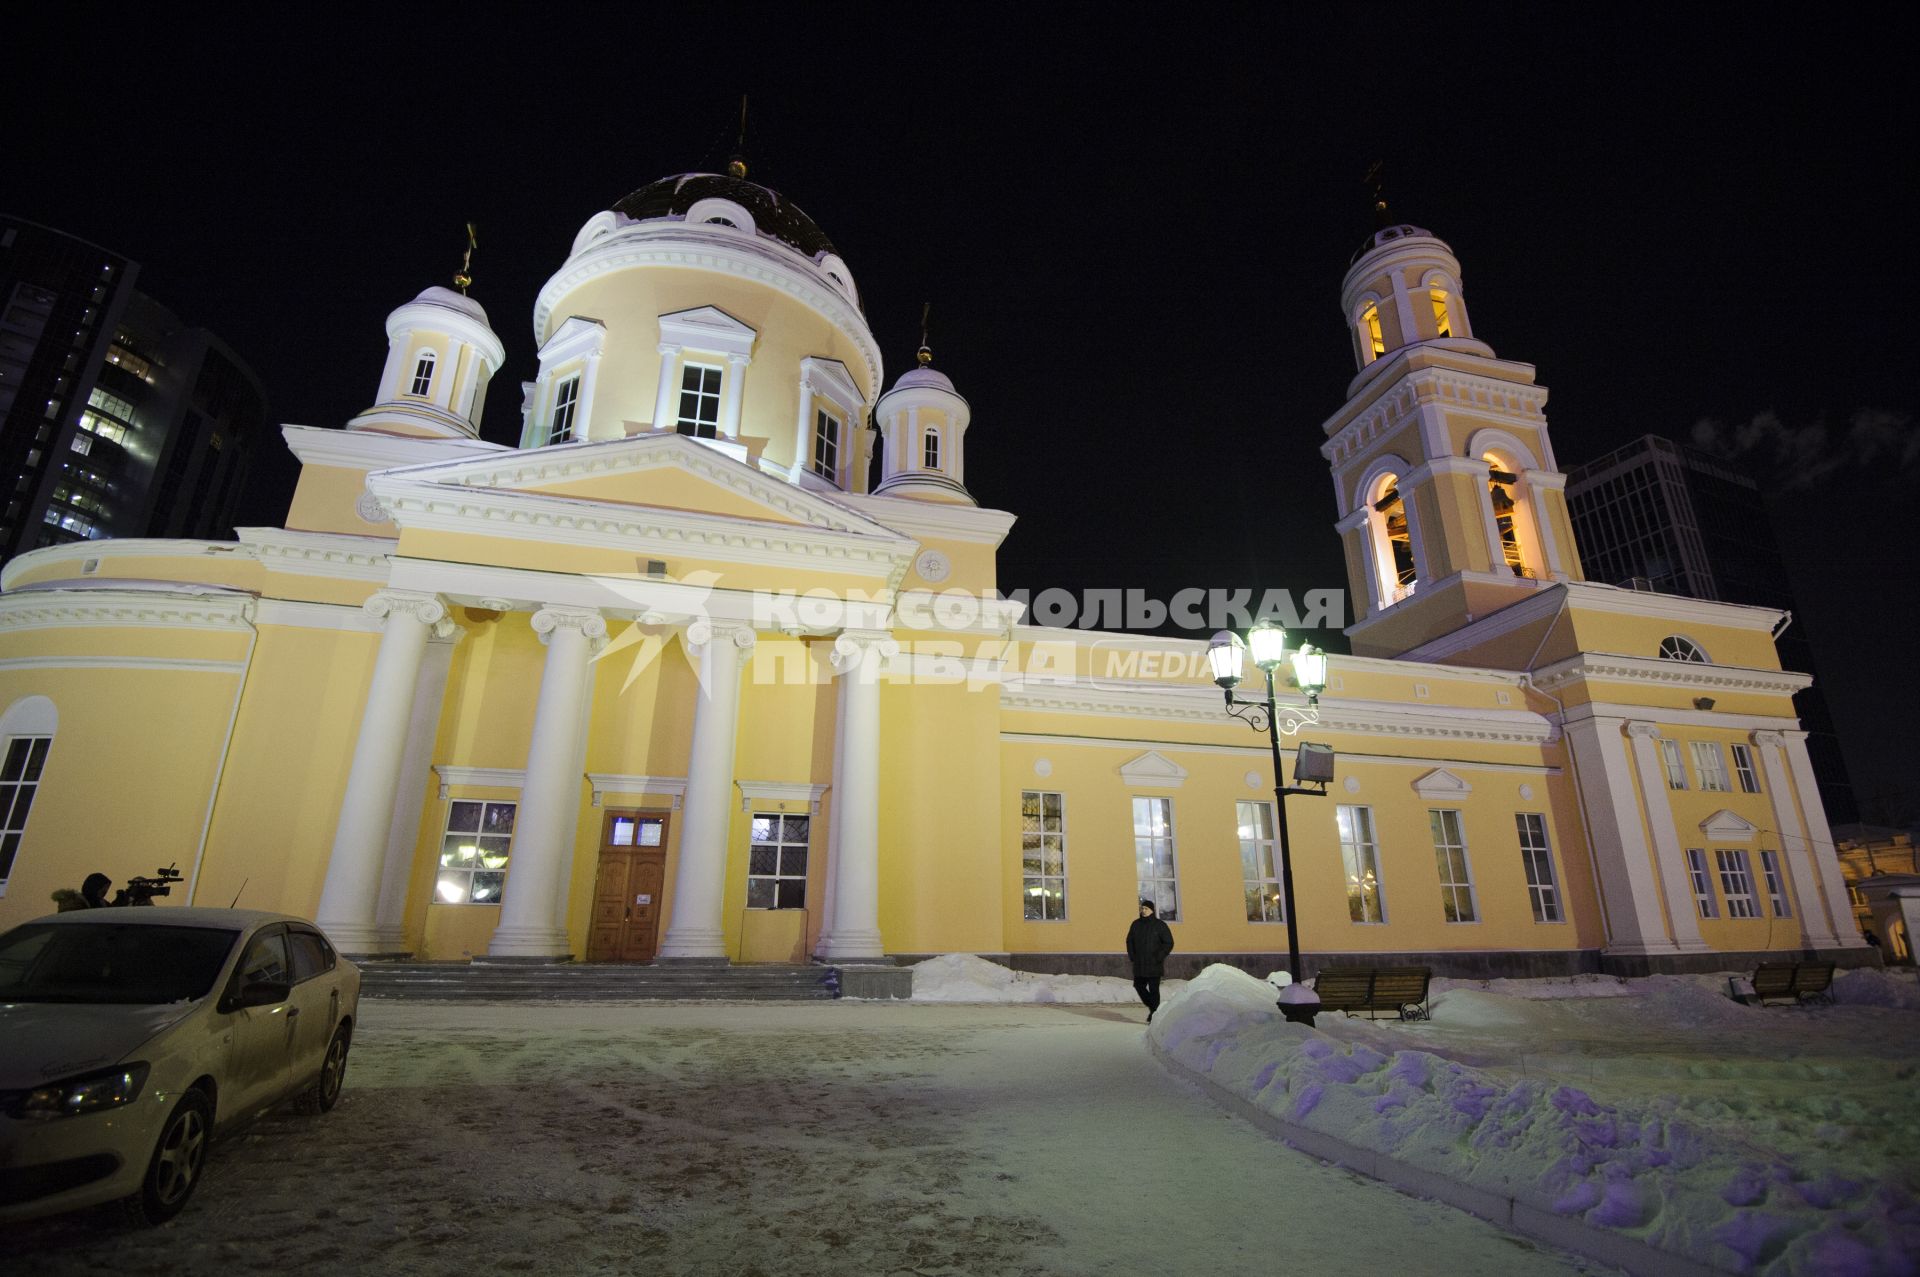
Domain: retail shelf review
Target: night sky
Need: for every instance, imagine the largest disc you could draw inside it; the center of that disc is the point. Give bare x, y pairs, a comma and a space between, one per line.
1132, 227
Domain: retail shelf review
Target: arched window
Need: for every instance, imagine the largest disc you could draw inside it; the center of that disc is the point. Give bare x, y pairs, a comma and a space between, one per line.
1373, 342
932, 450
1678, 647
423, 373
1395, 564
26, 737
1500, 485
1442, 319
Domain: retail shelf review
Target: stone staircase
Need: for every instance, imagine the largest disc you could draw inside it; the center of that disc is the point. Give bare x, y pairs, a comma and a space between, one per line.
597, 982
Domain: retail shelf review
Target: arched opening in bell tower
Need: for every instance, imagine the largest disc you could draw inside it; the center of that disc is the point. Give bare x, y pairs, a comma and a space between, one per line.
1390, 534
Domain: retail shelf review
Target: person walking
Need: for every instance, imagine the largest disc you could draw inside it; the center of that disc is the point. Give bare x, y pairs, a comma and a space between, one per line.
1149, 941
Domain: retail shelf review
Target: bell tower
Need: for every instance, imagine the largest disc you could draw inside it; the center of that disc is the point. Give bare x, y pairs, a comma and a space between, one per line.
1451, 504
923, 426
440, 355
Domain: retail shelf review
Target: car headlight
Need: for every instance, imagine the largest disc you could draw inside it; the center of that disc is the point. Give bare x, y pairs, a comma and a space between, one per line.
111, 1088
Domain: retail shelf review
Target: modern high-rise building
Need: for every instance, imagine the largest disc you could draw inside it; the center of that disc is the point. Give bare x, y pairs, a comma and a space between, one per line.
116, 419
1658, 515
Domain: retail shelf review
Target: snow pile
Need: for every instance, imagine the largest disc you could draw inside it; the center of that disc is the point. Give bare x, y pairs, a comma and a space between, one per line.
963, 977
1866, 987
1733, 1193
1578, 986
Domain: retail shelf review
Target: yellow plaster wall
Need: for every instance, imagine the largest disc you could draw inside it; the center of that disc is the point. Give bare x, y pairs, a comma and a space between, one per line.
325, 498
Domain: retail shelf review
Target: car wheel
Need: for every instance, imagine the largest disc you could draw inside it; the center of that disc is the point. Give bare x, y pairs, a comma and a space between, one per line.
179, 1156
325, 1091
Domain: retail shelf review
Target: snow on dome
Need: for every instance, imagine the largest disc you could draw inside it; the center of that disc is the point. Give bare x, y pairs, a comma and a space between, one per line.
925, 376
1388, 234
438, 296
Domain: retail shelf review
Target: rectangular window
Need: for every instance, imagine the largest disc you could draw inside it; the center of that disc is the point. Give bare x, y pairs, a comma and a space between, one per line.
1743, 768
1538, 858
1258, 870
423, 375
1450, 854
777, 862
1702, 885
1153, 854
1776, 885
931, 450
1676, 766
566, 401
25, 759
1711, 764
1043, 856
826, 447
699, 401
1736, 882
1360, 857
473, 853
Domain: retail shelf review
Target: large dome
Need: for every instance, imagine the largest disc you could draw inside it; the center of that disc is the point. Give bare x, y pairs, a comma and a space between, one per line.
773, 215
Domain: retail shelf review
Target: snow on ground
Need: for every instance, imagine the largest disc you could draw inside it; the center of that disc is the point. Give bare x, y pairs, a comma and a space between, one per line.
962, 977
743, 1139
1776, 1139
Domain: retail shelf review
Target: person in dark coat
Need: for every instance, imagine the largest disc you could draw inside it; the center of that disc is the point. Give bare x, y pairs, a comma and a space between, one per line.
92, 894
1149, 941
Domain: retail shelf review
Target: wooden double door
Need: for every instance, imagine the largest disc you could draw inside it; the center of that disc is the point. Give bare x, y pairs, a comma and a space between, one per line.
626, 892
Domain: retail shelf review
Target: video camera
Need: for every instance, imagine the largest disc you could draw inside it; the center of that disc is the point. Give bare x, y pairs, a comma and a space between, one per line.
141, 891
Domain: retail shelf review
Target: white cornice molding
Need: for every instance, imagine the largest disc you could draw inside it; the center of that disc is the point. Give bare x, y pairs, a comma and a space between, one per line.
670, 787
167, 663
936, 521
300, 614
116, 547
1499, 389
1261, 751
1669, 607
480, 777
1152, 770
780, 791
707, 328
371, 450
1623, 714
1686, 675
320, 553
144, 609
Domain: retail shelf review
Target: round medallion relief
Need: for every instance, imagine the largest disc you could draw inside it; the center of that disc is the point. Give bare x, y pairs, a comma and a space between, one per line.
933, 566
1043, 768
1526, 792
368, 508
1253, 780
1352, 784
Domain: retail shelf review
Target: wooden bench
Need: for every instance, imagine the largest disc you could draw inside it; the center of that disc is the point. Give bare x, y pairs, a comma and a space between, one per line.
1792, 982
1402, 990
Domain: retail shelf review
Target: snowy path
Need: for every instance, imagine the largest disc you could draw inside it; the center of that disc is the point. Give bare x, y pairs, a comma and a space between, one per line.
729, 1139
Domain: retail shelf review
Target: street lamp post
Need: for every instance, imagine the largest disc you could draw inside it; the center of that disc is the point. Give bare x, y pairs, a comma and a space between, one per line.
1227, 657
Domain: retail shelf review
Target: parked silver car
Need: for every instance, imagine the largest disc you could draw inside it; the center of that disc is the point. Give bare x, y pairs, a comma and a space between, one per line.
129, 1038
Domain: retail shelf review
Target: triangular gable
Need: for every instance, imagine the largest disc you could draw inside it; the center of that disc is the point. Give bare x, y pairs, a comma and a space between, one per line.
707, 328
1441, 783
1153, 770
1726, 826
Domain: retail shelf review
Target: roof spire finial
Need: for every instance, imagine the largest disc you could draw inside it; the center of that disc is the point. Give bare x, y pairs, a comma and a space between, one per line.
925, 353
737, 166
1374, 180
463, 278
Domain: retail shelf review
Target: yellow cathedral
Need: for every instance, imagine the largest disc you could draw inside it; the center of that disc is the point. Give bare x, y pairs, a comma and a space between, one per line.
712, 668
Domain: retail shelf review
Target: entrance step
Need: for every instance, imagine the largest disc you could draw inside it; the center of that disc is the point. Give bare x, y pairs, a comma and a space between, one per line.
597, 982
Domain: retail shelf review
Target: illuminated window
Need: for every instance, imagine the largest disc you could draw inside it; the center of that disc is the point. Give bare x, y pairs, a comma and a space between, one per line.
826, 446
473, 853
1537, 856
1259, 874
1371, 338
1043, 856
566, 402
20, 769
931, 451
1743, 768
699, 401
1456, 876
1702, 885
1776, 885
1736, 882
1153, 855
1675, 765
1675, 648
1399, 538
1443, 324
777, 862
1500, 484
1360, 857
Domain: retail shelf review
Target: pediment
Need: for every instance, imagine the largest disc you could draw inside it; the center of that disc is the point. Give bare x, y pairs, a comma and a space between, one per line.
1153, 770
1441, 783
707, 328
1726, 826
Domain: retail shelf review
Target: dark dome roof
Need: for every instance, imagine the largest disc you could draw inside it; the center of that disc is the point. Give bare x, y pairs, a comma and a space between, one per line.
772, 213
1386, 235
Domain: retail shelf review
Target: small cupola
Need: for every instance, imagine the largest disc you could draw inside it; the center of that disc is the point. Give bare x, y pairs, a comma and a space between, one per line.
1403, 289
441, 354
923, 426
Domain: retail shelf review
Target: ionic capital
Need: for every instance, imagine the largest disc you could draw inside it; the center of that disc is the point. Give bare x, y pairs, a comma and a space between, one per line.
592, 626
429, 610
1644, 731
1769, 740
852, 647
726, 633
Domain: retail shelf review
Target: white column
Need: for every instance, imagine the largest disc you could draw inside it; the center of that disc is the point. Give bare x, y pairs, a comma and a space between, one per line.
706, 813
391, 387
803, 431
1403, 307
445, 368
663, 414
403, 834
1682, 915
1820, 849
550, 796
1619, 847
730, 401
1793, 844
831, 878
350, 900
855, 857
589, 380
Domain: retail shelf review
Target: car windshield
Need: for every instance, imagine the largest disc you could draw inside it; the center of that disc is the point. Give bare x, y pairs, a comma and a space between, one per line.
105, 962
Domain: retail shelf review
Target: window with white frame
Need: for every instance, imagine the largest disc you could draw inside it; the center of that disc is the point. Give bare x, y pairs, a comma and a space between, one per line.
1153, 855
473, 853
1258, 871
423, 373
1360, 857
1743, 768
1537, 856
826, 446
777, 862
1776, 885
1676, 766
1450, 854
1736, 882
1043, 855
1702, 885
20, 770
699, 401
930, 450
1677, 647
566, 403
1711, 764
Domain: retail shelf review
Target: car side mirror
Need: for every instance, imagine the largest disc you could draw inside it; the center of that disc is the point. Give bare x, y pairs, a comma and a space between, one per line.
258, 993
